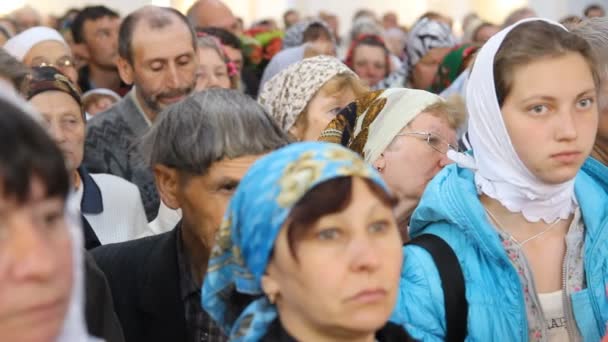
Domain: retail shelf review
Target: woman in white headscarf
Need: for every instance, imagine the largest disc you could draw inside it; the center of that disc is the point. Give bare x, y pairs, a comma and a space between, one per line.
531, 244
405, 134
41, 277
42, 46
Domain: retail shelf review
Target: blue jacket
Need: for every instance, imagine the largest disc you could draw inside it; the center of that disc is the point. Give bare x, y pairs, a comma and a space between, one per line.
450, 208
597, 171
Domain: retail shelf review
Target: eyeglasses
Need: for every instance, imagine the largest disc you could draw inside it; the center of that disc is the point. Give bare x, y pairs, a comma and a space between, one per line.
62, 62
435, 141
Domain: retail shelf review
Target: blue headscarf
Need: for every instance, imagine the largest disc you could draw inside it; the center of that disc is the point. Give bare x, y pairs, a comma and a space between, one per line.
232, 292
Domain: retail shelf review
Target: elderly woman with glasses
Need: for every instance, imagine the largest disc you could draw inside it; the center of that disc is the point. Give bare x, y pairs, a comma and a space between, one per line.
405, 134
42, 46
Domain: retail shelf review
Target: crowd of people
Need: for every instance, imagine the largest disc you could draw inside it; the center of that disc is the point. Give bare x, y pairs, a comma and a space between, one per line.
169, 176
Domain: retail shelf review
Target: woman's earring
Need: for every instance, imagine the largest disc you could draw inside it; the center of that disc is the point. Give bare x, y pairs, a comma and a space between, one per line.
272, 298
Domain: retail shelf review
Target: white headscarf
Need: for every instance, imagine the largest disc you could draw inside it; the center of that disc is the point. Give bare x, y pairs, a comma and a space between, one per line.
402, 107
21, 44
499, 173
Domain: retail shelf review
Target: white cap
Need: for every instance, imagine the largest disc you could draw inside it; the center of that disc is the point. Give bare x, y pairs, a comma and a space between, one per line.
21, 44
101, 91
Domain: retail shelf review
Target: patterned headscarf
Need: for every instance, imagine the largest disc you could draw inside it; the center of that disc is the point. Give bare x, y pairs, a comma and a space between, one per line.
427, 34
452, 66
43, 79
294, 36
232, 292
286, 95
368, 125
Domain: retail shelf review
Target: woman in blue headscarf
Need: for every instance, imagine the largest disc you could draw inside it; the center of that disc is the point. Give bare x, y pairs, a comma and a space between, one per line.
309, 251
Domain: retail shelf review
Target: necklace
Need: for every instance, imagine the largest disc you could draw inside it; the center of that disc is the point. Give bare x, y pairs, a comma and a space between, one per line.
500, 226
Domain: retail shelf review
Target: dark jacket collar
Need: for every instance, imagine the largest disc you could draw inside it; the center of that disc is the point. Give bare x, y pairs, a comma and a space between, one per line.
389, 333
91, 202
160, 295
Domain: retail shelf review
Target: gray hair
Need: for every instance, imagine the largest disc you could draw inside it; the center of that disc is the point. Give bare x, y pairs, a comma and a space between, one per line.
595, 32
211, 42
209, 126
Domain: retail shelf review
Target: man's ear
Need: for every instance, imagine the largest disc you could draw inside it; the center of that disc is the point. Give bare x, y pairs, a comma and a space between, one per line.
125, 70
167, 183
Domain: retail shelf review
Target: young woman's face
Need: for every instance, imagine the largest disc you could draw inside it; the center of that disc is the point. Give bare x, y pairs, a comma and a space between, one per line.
369, 62
552, 117
213, 71
35, 267
346, 275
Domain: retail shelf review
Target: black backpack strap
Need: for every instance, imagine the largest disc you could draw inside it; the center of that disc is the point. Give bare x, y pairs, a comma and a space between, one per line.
452, 283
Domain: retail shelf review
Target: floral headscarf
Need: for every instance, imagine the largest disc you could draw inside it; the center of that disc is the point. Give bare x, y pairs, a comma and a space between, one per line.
452, 66
286, 95
368, 125
232, 292
427, 34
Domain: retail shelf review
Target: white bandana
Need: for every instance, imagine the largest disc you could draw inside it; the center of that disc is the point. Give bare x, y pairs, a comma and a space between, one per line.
499, 173
21, 44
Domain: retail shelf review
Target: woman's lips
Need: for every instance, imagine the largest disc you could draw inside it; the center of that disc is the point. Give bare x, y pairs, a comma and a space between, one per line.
369, 296
566, 157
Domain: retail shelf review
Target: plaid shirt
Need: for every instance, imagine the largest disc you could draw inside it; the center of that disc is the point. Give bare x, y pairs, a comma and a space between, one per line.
201, 326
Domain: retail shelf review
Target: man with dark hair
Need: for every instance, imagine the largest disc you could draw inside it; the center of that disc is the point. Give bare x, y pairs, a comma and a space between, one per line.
594, 11
199, 149
95, 34
157, 54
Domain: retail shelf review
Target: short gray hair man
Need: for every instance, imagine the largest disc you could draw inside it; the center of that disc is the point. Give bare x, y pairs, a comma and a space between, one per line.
210, 126
205, 129
199, 148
